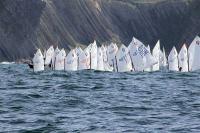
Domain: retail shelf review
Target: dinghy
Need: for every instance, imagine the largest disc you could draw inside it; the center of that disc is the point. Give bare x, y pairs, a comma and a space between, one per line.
83, 59
71, 61
148, 69
104, 52
183, 59
93, 56
164, 58
194, 54
111, 53
88, 56
100, 62
160, 59
140, 56
60, 60
56, 52
107, 67
156, 55
173, 60
44, 54
38, 61
123, 60
49, 55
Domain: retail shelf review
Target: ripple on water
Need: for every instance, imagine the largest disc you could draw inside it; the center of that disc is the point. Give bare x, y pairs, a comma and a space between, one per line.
93, 101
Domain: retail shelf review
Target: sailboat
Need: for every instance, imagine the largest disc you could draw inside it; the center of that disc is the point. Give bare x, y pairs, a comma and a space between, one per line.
173, 60
93, 56
156, 55
38, 61
194, 54
49, 56
140, 56
44, 53
161, 59
104, 52
148, 69
183, 59
164, 58
100, 62
107, 67
123, 60
111, 53
71, 61
60, 60
83, 59
56, 52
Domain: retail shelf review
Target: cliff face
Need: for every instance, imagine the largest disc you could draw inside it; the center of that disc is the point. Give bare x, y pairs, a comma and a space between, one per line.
29, 24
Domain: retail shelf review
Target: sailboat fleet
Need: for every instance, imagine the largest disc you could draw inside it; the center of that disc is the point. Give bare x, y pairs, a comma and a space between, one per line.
135, 57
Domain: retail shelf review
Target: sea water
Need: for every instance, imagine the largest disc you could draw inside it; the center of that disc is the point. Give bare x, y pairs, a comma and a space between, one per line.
90, 101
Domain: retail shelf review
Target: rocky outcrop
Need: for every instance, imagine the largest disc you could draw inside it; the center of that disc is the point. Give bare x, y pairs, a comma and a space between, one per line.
26, 25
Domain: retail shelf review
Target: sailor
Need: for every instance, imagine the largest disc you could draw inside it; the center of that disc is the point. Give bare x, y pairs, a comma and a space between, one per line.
180, 69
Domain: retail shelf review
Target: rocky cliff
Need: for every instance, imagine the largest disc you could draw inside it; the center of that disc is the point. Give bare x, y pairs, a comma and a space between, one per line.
29, 24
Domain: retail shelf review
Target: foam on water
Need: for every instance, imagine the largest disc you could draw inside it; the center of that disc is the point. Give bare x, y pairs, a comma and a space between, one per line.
89, 101
6, 63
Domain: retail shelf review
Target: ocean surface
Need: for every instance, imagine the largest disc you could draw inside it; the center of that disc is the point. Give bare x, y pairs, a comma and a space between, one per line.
98, 102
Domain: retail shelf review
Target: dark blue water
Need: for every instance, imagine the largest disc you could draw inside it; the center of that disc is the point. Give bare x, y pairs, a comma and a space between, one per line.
89, 101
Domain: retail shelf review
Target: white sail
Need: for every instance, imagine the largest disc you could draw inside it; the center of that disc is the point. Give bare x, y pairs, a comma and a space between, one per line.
56, 52
107, 67
71, 61
156, 55
123, 63
38, 61
183, 59
93, 54
44, 53
173, 60
100, 62
83, 59
164, 58
88, 56
140, 56
104, 51
194, 54
60, 60
148, 48
49, 56
111, 53
148, 69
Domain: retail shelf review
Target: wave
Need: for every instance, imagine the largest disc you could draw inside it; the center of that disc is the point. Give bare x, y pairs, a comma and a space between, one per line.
6, 63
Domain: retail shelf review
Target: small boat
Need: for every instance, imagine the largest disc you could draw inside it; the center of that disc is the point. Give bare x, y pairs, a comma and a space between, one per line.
71, 61
111, 53
59, 60
194, 54
48, 56
83, 59
148, 69
107, 67
140, 55
156, 55
183, 59
164, 58
56, 52
100, 62
173, 60
123, 60
93, 56
38, 61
